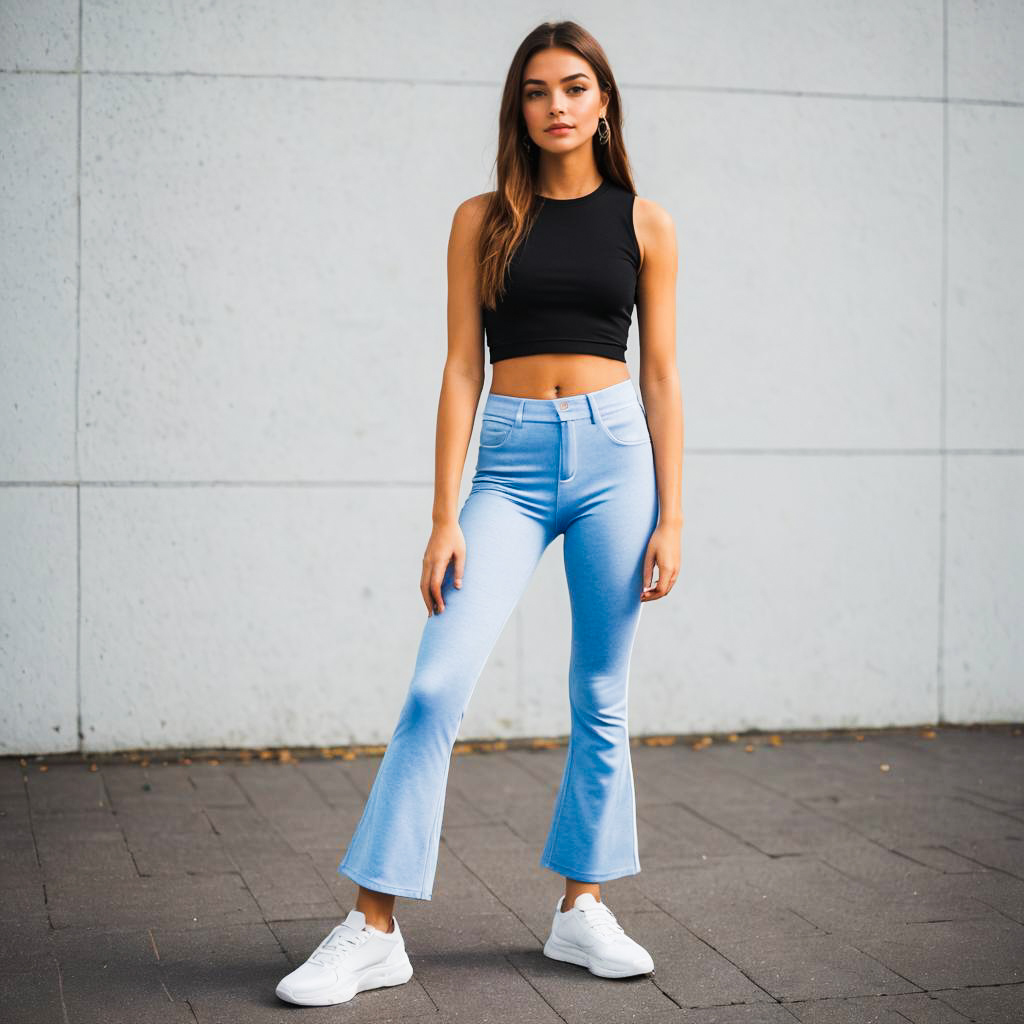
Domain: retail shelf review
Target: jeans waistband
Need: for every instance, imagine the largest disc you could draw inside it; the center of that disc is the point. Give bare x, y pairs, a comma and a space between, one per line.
554, 410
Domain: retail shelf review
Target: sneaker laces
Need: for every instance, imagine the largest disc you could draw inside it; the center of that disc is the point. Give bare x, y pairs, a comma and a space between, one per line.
600, 918
341, 941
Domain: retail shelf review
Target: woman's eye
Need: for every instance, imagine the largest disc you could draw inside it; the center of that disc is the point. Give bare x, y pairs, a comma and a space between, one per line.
539, 92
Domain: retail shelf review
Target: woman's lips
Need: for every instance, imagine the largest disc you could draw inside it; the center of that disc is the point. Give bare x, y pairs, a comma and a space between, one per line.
559, 131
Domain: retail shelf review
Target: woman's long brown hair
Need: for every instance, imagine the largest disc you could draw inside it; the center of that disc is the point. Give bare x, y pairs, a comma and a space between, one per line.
513, 207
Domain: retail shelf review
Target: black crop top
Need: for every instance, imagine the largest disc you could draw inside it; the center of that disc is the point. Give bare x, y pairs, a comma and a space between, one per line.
571, 284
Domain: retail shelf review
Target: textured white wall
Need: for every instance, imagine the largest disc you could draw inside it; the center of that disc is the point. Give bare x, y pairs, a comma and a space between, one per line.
223, 296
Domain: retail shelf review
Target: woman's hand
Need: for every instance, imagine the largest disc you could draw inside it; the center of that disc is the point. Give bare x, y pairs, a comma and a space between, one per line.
446, 541
663, 550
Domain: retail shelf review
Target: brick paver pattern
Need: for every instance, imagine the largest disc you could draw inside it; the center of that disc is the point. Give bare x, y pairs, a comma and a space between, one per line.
822, 879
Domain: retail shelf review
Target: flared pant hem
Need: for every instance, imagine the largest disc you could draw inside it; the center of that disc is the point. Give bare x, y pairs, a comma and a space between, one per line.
589, 876
378, 886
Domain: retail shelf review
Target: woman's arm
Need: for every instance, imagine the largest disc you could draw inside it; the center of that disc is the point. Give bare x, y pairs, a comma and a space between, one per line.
659, 385
461, 384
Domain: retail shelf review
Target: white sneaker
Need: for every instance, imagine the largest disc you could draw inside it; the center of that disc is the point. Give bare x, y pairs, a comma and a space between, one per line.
354, 957
590, 936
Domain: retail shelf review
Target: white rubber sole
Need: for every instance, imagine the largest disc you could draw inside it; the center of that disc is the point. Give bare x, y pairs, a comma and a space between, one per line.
378, 976
558, 950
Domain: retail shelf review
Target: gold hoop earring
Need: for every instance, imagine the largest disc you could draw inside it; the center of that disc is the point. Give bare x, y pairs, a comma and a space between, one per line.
604, 131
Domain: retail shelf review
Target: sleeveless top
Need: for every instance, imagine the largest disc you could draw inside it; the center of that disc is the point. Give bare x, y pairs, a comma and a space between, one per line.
571, 285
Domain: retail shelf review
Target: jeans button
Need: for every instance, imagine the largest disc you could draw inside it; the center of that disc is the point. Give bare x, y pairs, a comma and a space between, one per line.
565, 405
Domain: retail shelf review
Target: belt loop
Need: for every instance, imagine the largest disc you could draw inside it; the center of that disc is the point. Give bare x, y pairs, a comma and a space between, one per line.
519, 412
591, 402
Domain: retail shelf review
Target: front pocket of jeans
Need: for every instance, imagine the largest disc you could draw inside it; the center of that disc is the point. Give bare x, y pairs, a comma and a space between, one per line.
494, 432
626, 424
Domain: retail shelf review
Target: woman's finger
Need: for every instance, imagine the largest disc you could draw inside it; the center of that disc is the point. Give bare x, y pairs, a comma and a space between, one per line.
436, 578
649, 561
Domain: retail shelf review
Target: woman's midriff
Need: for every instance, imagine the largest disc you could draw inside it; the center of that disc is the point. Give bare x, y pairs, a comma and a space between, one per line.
555, 375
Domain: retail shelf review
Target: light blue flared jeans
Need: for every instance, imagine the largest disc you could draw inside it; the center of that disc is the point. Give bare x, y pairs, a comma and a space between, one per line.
581, 467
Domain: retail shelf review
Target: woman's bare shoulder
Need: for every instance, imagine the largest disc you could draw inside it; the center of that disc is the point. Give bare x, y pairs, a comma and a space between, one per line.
472, 210
469, 215
654, 227
652, 215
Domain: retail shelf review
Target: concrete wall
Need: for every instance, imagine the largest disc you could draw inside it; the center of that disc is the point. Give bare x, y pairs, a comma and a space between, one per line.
223, 299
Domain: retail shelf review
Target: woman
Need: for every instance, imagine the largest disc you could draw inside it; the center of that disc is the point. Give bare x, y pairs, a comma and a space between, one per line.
550, 266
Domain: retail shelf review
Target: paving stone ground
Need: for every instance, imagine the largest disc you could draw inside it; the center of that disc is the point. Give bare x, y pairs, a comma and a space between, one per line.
796, 882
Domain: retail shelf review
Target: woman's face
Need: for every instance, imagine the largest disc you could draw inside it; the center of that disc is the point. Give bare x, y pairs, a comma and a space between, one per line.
559, 87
